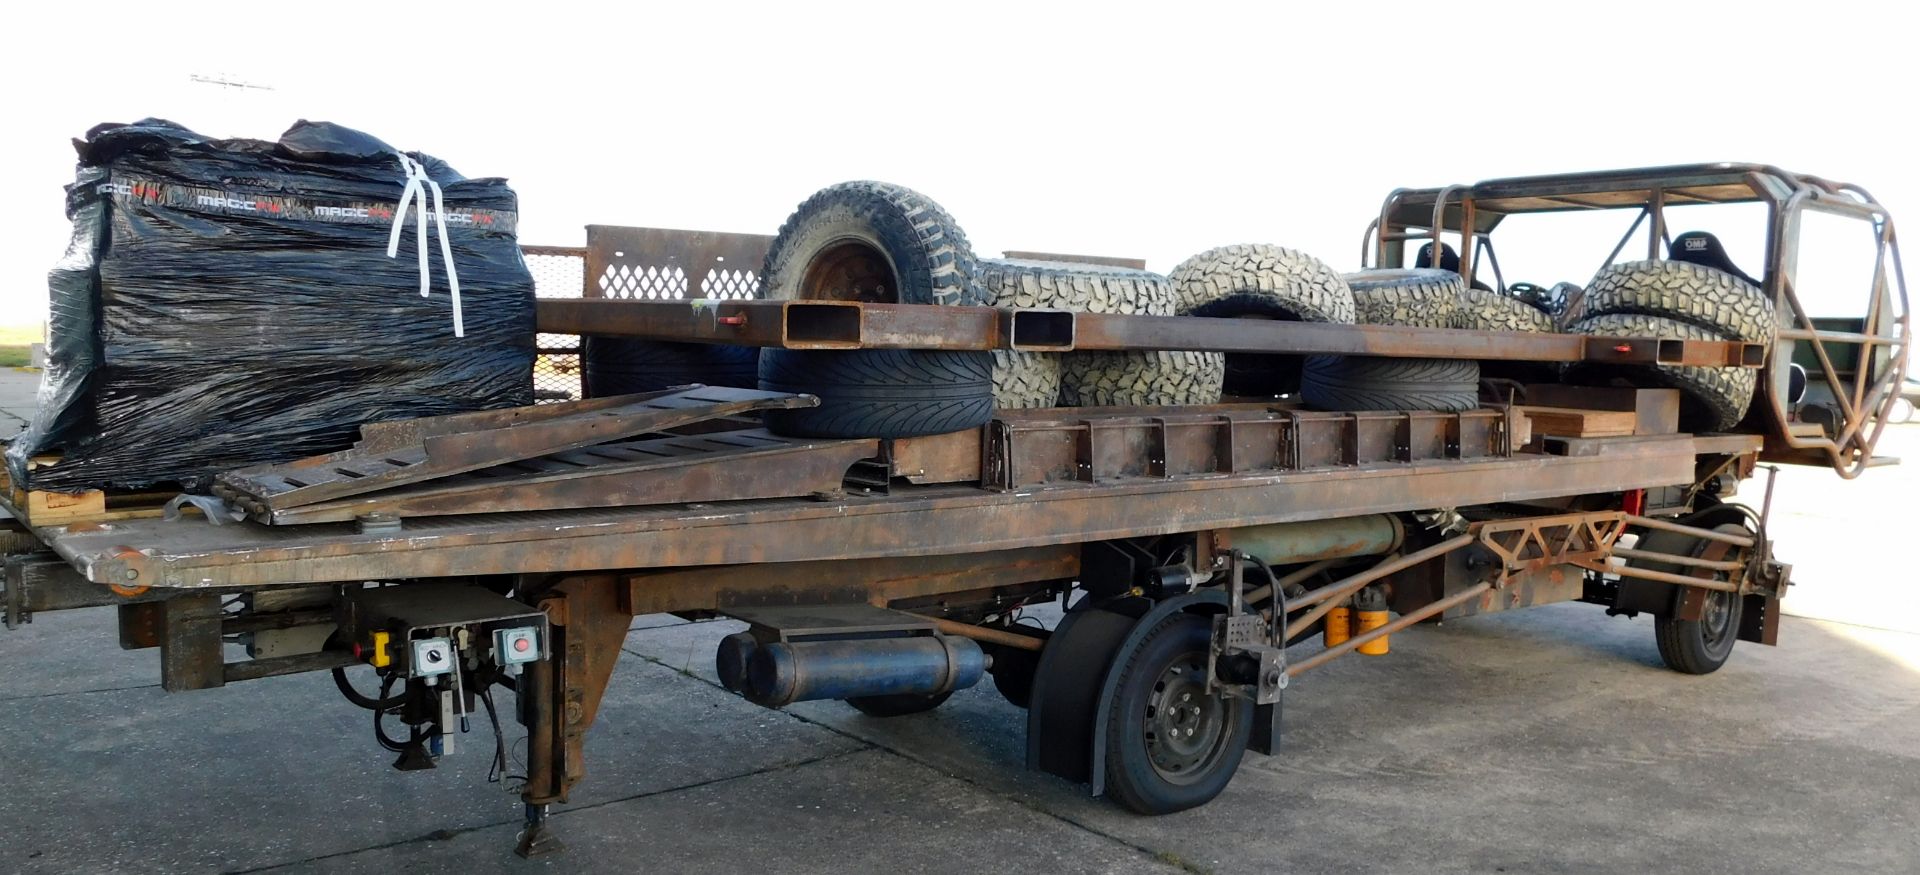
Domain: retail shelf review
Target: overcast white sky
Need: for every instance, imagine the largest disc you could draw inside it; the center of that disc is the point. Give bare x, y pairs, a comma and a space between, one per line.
1150, 131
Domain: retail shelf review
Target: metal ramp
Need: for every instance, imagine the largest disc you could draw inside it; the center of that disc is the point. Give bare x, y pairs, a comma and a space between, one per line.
596, 453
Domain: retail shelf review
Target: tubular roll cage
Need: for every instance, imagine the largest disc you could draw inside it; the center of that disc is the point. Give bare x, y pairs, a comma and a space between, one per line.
1878, 349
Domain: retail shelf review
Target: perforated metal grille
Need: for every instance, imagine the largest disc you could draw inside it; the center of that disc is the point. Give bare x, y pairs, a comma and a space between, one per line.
737, 285
557, 273
646, 283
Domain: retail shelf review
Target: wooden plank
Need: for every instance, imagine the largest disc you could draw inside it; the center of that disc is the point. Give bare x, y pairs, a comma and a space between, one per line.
1571, 422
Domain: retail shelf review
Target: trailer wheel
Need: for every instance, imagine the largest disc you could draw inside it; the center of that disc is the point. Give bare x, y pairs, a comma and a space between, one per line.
898, 704
1695, 646
1261, 282
1170, 745
874, 242
1711, 399
1690, 293
622, 366
1357, 382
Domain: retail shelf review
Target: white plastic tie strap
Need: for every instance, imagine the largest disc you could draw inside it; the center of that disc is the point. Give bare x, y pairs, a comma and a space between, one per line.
417, 180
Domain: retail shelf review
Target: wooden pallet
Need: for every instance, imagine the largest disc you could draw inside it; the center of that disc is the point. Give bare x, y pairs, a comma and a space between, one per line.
40, 508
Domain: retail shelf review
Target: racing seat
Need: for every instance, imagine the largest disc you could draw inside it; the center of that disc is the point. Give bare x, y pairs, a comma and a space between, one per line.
1704, 249
1449, 260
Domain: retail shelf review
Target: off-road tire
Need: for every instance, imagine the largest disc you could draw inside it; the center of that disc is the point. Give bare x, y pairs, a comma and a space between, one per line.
1105, 379
1678, 290
1419, 297
1083, 288
1267, 282
1255, 279
1353, 382
622, 366
1025, 380
931, 260
1712, 399
1032, 379
1482, 310
881, 393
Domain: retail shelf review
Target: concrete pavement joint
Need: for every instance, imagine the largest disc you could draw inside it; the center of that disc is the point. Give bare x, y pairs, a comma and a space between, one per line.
1165, 857
441, 835
76, 692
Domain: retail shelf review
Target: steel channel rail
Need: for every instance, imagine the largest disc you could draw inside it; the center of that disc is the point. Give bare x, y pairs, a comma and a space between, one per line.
851, 325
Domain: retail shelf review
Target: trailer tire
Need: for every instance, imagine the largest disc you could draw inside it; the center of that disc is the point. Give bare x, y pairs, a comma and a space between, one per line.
874, 242
622, 366
1481, 310
1354, 382
1694, 646
1684, 292
898, 704
1137, 378
1712, 399
1148, 770
1419, 297
879, 393
1255, 280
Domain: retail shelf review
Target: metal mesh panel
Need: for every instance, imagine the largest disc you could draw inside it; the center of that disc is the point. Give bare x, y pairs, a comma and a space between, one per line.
737, 285
646, 283
558, 272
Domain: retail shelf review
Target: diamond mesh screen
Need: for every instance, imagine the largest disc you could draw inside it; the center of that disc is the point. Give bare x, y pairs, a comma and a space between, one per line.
557, 273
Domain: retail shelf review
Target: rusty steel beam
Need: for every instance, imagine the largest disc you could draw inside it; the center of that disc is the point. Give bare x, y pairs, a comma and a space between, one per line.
1330, 596
1347, 646
1695, 531
851, 325
994, 636
877, 581
1110, 331
909, 522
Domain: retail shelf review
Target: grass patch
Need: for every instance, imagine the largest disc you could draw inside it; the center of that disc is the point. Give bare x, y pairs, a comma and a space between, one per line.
13, 356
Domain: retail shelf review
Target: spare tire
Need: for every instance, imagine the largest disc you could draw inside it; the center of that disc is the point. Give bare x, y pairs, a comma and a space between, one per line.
880, 393
1690, 293
1420, 297
1135, 379
874, 242
1711, 399
1267, 282
622, 366
1357, 382
1032, 379
880, 243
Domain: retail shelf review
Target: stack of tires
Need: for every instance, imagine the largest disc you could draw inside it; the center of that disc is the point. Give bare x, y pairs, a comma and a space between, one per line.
1136, 377
1679, 301
1036, 379
1257, 281
1417, 297
876, 242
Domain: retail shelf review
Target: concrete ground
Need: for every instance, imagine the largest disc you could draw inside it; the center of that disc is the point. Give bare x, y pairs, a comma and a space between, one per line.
1548, 740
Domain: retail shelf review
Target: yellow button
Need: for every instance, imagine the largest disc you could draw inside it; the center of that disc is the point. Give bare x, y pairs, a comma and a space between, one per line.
381, 658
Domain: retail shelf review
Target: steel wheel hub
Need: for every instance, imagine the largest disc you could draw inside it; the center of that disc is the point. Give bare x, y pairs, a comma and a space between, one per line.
1185, 727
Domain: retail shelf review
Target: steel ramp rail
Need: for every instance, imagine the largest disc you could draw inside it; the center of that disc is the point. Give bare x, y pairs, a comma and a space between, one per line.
676, 469
415, 451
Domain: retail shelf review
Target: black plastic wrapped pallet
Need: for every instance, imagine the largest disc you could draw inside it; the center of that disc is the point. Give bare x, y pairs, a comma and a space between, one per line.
231, 302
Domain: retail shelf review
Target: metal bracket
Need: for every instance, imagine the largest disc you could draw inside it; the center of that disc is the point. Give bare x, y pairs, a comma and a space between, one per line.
1534, 543
1244, 644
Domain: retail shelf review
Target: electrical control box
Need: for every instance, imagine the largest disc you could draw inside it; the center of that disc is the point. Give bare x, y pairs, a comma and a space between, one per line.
431, 627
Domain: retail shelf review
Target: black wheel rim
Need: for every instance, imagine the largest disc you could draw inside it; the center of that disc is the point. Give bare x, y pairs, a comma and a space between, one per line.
1716, 621
1185, 728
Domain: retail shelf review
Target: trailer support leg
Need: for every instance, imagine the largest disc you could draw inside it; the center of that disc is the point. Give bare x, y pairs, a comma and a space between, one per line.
561, 694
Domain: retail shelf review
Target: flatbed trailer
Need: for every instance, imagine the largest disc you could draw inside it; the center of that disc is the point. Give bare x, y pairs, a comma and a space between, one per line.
890, 572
